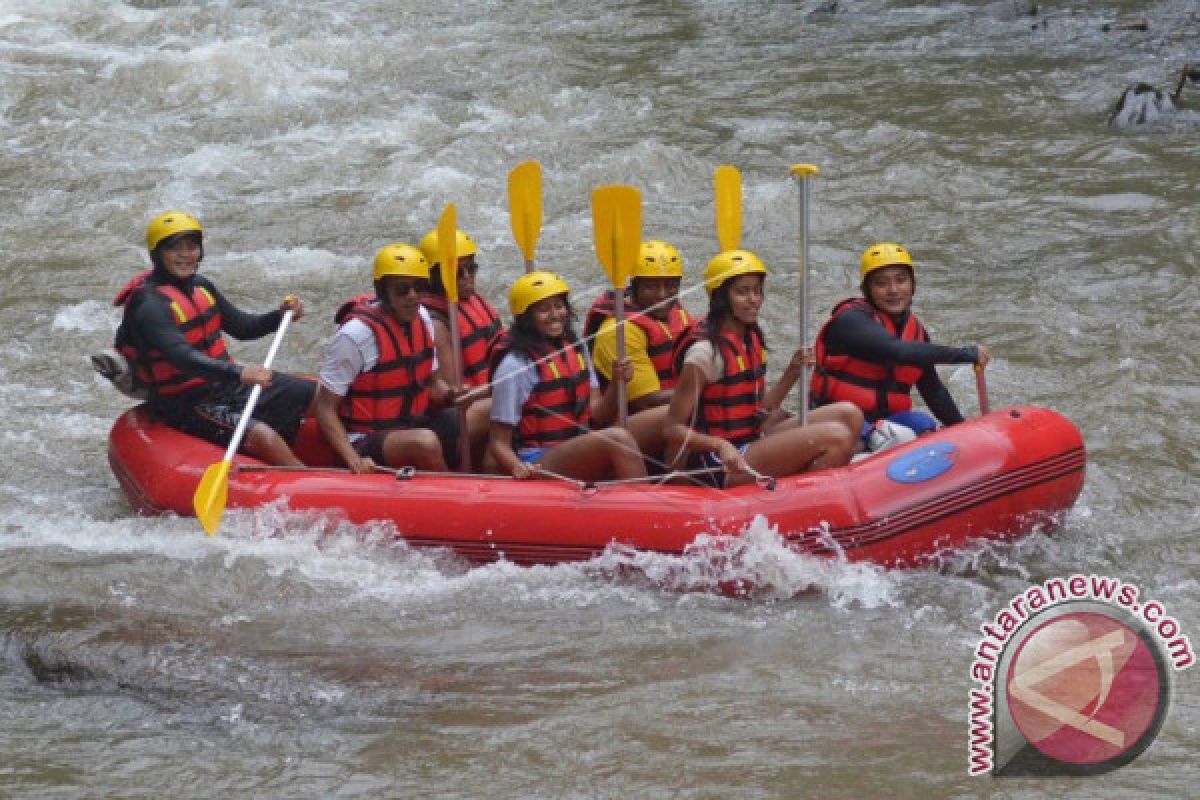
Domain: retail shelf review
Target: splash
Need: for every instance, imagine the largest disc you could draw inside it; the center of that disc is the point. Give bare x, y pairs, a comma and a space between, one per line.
90, 316
758, 564
375, 562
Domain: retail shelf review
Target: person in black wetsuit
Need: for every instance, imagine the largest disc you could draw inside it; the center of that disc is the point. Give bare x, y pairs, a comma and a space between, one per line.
171, 334
873, 350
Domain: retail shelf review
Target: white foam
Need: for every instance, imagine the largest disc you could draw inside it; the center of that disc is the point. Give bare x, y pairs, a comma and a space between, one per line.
1124, 201
284, 263
370, 563
757, 562
90, 316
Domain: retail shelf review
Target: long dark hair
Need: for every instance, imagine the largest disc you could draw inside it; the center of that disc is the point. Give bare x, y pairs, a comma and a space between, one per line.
719, 308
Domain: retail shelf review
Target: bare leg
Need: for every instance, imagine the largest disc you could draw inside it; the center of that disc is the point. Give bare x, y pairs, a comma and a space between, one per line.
418, 448
815, 446
479, 425
846, 414
262, 442
597, 455
649, 430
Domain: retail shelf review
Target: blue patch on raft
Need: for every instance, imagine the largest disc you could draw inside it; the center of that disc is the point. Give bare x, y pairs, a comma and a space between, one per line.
922, 464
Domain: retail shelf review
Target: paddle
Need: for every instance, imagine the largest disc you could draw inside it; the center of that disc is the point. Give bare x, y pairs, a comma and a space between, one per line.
802, 172
617, 223
447, 233
728, 188
525, 207
981, 387
210, 496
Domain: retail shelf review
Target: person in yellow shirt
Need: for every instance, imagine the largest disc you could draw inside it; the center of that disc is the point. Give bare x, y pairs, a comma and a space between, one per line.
656, 319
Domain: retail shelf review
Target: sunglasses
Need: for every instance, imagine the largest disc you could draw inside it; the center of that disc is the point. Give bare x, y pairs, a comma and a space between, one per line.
402, 288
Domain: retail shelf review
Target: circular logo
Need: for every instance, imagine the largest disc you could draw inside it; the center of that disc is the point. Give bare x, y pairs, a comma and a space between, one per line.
1086, 689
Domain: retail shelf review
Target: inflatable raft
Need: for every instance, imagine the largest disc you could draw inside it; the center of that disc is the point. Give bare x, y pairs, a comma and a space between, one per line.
996, 477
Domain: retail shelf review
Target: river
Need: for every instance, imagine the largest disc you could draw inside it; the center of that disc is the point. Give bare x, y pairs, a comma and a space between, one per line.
293, 656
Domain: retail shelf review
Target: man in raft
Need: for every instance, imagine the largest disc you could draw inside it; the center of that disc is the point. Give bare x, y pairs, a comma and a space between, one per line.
379, 396
721, 415
545, 396
171, 335
479, 328
655, 320
873, 350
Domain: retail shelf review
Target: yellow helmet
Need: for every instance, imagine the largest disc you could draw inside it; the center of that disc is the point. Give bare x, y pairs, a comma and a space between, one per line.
884, 254
168, 224
533, 287
402, 261
730, 264
464, 245
657, 259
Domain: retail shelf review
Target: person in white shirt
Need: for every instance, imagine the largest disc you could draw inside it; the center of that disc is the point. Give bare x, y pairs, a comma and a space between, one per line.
380, 399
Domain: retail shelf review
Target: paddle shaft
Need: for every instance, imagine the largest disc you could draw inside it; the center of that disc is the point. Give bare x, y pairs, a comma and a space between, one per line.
804, 294
622, 389
802, 174
617, 228
464, 441
981, 387
244, 421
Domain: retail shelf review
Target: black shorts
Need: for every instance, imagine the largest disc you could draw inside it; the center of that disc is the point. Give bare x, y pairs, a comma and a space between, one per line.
212, 412
444, 424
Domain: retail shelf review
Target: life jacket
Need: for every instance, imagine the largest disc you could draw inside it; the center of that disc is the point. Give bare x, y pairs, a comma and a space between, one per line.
604, 307
479, 327
394, 392
660, 336
880, 390
559, 407
198, 318
731, 407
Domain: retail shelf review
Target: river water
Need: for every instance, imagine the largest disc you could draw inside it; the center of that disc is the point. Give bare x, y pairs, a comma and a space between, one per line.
294, 656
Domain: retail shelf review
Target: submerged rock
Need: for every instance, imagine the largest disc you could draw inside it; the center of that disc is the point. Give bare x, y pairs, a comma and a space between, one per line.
1009, 10
825, 9
1143, 103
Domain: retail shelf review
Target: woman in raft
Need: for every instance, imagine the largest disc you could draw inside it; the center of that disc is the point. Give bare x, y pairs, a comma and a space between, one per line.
721, 416
545, 396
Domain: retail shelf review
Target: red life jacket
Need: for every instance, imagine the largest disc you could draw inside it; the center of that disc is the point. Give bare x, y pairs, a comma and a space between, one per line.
604, 307
197, 317
394, 392
731, 407
880, 390
660, 336
559, 407
479, 327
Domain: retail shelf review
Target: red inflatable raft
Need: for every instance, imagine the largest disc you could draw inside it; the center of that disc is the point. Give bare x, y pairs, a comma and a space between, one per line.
994, 477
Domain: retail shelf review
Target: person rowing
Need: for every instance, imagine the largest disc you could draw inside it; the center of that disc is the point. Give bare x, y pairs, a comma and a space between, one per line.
656, 320
546, 398
721, 416
171, 335
873, 350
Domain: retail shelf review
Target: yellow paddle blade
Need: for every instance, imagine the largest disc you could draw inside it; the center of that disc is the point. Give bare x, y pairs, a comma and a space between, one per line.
209, 500
617, 223
525, 205
728, 184
447, 229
